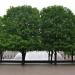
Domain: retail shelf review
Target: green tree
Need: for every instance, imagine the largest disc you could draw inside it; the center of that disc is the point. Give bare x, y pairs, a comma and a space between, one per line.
2, 38
22, 25
58, 28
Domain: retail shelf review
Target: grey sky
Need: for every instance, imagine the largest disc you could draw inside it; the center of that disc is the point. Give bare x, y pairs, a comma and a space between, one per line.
5, 4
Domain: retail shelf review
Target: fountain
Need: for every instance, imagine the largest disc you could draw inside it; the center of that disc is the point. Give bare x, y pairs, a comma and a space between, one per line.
37, 55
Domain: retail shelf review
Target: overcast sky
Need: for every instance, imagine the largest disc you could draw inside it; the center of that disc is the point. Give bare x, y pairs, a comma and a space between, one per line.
5, 4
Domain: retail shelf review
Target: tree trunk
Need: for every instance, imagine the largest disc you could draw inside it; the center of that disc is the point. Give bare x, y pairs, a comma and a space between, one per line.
72, 56
55, 57
1, 55
51, 56
23, 57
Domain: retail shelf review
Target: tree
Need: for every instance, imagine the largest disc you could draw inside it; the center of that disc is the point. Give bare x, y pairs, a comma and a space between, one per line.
58, 28
22, 24
3, 37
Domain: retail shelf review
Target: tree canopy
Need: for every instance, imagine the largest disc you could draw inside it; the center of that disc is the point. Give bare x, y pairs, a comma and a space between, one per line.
58, 28
25, 28
22, 24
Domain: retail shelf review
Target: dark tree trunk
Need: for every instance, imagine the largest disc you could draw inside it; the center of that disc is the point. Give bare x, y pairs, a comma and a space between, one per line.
23, 57
55, 57
1, 55
51, 56
72, 56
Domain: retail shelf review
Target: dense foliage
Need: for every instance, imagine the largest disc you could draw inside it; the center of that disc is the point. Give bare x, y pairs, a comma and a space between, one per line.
58, 28
22, 24
25, 28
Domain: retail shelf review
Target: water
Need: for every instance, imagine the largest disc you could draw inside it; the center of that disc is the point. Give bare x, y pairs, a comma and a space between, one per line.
37, 55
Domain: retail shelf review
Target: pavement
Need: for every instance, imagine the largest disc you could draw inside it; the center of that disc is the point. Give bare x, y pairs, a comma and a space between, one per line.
37, 69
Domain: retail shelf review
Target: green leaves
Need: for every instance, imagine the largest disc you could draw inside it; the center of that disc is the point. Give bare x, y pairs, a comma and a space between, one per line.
25, 28
23, 22
58, 27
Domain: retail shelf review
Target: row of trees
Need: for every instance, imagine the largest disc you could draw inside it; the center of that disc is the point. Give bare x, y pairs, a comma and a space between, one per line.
24, 28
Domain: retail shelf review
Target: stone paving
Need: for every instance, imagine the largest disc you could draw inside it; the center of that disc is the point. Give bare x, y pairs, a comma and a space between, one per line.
37, 69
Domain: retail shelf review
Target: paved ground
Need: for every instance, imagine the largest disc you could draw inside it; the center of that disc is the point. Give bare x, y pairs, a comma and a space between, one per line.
36, 69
